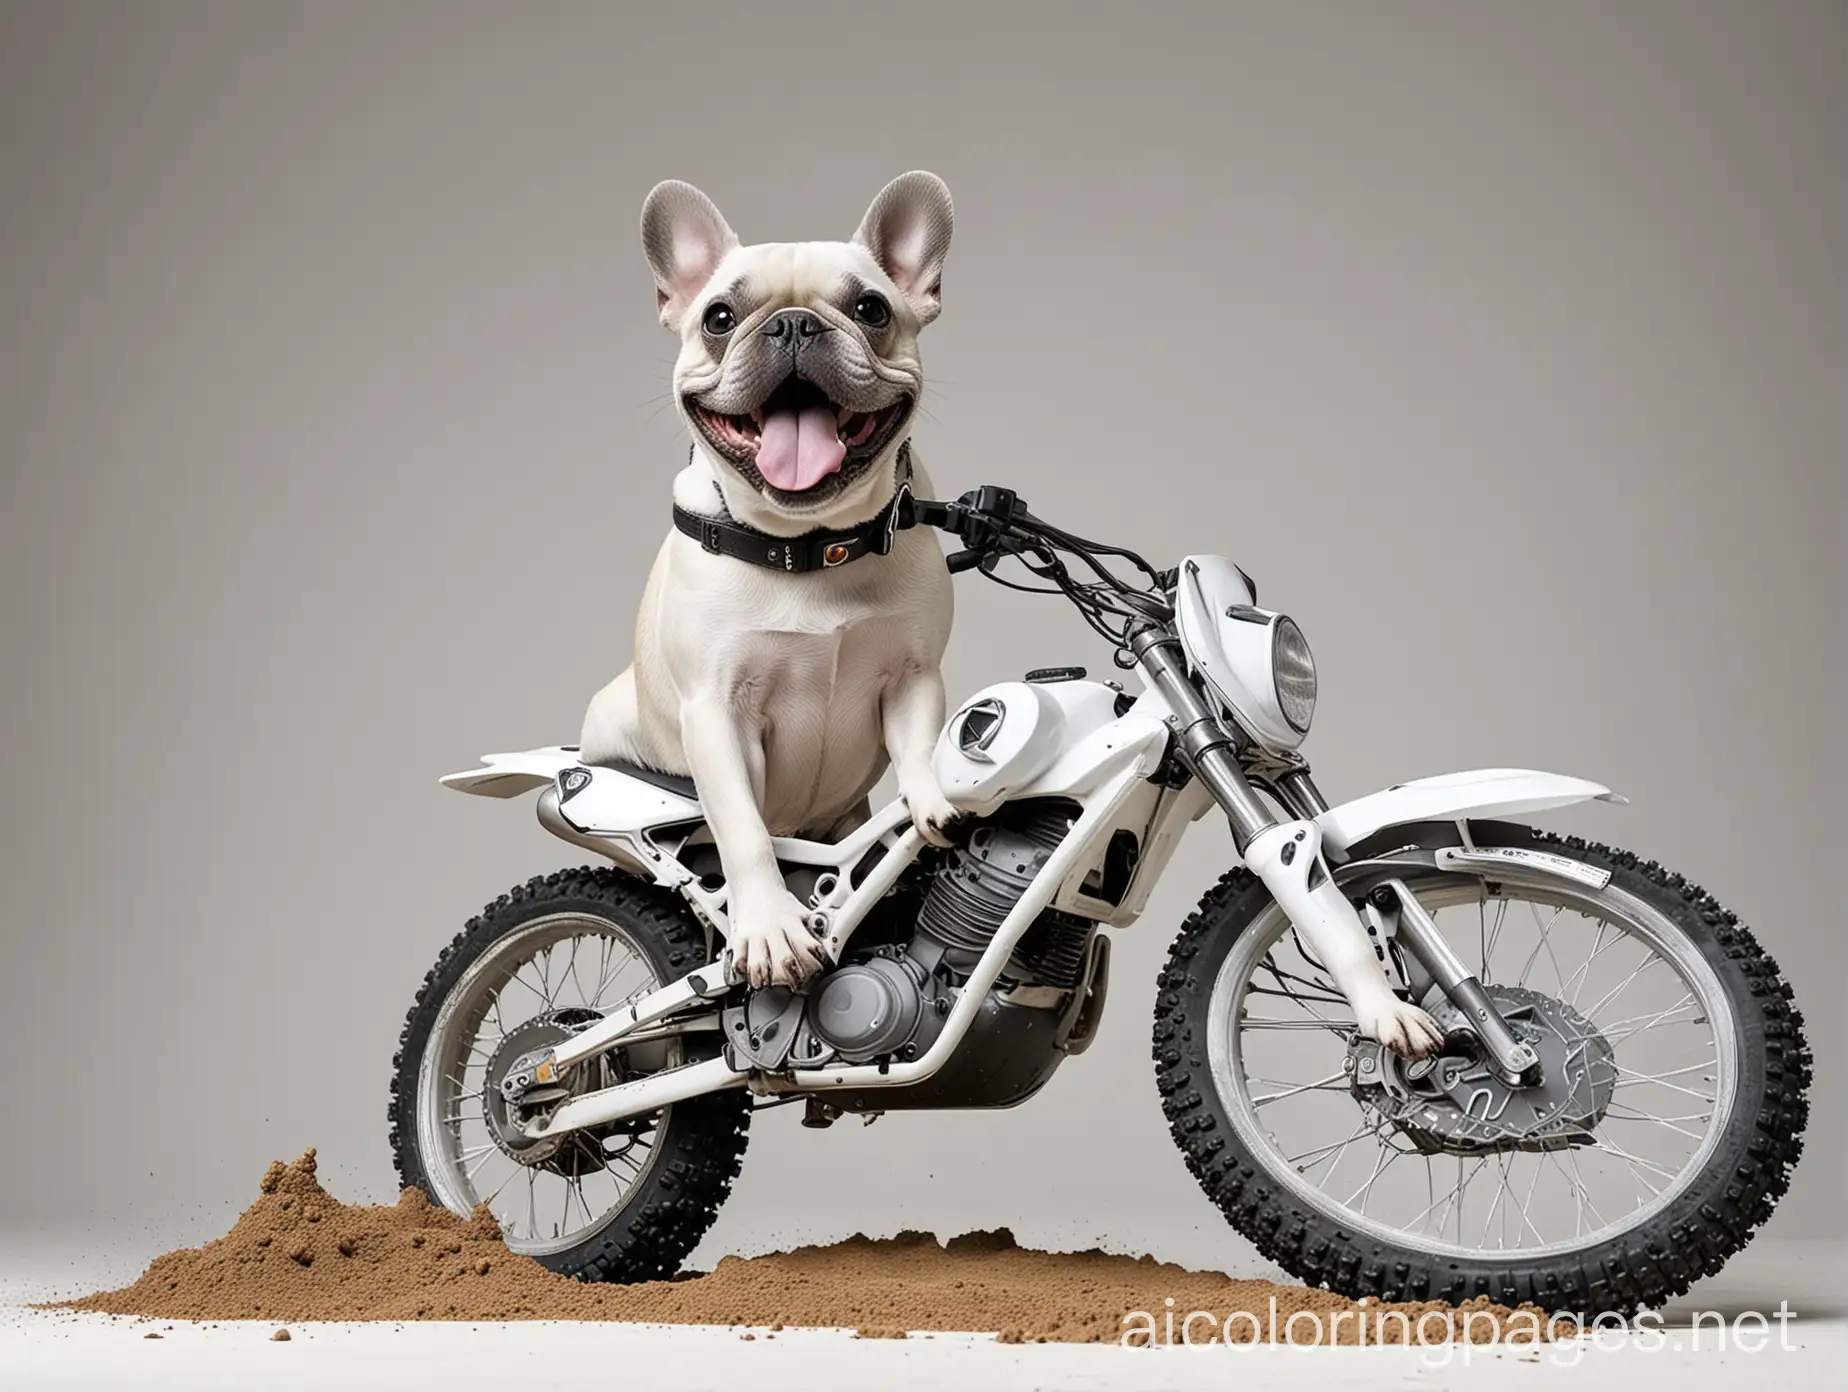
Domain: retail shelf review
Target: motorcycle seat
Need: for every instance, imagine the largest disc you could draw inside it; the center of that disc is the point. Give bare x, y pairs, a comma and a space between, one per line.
677, 783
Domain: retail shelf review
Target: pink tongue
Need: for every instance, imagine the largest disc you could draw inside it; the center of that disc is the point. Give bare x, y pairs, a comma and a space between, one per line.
796, 452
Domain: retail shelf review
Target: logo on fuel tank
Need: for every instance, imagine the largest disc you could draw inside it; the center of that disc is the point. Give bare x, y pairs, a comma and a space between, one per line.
977, 727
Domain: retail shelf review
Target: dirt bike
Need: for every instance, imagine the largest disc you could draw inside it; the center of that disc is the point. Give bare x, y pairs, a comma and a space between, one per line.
1616, 1105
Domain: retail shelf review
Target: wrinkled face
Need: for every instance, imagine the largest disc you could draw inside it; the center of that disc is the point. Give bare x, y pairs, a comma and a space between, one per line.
798, 369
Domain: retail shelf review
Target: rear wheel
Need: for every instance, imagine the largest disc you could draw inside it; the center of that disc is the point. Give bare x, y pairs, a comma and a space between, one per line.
1673, 1111
626, 1203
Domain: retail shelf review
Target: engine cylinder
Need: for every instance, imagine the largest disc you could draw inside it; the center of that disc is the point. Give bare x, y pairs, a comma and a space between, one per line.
980, 883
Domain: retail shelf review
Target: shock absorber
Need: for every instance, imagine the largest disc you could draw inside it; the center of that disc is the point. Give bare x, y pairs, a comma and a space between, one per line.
1514, 1058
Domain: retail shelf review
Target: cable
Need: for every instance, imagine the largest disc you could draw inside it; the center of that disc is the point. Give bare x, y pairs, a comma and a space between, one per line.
994, 524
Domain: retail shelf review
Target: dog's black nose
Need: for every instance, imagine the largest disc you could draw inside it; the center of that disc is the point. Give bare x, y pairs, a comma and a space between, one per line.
793, 326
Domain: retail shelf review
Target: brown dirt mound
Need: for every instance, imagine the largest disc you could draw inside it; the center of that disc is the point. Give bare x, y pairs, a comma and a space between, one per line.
299, 1254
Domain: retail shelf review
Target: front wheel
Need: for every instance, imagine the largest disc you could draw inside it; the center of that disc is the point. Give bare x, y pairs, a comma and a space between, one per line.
622, 1203
1664, 1134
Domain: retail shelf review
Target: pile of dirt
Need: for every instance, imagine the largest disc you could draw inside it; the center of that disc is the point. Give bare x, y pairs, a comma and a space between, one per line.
299, 1254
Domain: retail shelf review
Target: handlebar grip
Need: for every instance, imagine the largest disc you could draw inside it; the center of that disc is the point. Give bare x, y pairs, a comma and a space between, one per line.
959, 561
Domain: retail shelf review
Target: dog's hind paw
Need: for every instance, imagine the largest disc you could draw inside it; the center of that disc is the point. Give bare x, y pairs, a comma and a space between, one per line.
772, 943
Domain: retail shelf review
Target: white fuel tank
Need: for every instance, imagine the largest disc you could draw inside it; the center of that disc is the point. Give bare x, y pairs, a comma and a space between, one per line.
1006, 735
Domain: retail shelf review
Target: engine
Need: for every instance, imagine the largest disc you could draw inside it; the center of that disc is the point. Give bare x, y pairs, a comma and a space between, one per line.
889, 1001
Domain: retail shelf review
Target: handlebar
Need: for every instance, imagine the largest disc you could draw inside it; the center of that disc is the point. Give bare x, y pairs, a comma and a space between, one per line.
981, 517
994, 522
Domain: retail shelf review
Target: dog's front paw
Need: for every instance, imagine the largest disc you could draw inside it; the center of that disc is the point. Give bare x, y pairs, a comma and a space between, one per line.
771, 942
934, 815
1399, 1026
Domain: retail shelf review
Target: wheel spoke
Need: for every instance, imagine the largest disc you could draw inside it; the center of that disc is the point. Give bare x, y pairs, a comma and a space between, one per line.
1576, 982
1488, 948
1611, 1114
1334, 1082
1649, 960
1637, 1165
1322, 1152
1579, 1183
1500, 1164
609, 974
1317, 984
1456, 1195
1614, 1035
1545, 929
1527, 1203
1381, 1161
1297, 996
1450, 1198
1265, 1022
1627, 1078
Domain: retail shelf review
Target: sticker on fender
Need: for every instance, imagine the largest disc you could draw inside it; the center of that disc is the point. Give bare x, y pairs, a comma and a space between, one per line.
1488, 857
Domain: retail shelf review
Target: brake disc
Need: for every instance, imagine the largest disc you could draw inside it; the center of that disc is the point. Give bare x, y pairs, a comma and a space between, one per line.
1458, 1104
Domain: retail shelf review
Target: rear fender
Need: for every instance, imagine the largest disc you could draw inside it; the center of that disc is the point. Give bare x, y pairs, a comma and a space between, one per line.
509, 775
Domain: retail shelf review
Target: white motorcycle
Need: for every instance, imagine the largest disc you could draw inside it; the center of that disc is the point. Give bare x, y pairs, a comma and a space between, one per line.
1617, 1103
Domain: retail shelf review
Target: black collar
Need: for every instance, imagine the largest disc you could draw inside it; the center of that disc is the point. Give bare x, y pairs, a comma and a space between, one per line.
818, 550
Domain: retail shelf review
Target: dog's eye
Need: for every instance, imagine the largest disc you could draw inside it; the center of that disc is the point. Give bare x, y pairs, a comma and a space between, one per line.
872, 311
719, 319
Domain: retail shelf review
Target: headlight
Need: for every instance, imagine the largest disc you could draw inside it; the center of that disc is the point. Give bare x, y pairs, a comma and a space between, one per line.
1293, 671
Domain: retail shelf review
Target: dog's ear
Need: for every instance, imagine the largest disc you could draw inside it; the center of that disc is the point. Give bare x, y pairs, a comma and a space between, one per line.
908, 232
685, 238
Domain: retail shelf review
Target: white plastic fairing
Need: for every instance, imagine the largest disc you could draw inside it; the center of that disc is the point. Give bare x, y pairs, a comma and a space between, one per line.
1229, 643
1006, 735
599, 801
608, 802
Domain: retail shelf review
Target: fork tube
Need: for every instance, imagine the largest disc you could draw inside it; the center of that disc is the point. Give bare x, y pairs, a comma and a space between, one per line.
1205, 747
1300, 795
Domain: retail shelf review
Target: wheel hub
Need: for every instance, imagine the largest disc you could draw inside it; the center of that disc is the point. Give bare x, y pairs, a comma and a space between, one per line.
1458, 1104
507, 1119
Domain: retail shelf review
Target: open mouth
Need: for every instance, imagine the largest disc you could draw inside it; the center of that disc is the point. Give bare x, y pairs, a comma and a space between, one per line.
800, 445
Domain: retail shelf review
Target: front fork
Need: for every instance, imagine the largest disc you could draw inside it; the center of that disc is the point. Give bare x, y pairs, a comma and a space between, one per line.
1287, 857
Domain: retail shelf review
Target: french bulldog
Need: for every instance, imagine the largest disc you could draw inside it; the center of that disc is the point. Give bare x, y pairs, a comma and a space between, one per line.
790, 633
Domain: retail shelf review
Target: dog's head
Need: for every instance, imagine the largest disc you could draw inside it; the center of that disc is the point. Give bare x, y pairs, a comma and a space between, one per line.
798, 371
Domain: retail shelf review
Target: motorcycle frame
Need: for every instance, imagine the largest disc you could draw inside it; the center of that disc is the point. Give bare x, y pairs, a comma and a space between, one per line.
1110, 781
1115, 776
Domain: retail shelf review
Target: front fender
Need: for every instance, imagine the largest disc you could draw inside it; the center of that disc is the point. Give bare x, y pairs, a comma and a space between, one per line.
1449, 797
